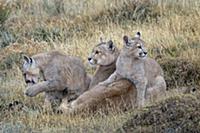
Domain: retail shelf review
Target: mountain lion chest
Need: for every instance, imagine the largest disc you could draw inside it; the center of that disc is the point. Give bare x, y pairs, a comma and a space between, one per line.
128, 68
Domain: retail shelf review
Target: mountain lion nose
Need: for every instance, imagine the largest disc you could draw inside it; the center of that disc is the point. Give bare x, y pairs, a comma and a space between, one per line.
28, 81
89, 58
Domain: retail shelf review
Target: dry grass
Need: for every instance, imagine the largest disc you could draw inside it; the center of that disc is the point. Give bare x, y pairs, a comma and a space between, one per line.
170, 28
177, 114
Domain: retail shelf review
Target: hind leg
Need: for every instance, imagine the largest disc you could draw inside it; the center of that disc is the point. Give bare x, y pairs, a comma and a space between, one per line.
91, 98
53, 98
157, 90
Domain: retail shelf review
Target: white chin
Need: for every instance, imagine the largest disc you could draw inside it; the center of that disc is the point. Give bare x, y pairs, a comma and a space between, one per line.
91, 64
145, 57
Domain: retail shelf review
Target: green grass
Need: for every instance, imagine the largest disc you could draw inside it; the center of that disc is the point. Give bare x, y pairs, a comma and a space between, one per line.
170, 28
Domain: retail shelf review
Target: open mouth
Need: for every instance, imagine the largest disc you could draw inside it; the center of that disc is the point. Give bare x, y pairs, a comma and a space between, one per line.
91, 63
142, 55
30, 83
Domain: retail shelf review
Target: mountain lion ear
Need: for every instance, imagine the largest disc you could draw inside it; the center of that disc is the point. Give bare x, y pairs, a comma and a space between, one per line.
138, 35
110, 45
31, 60
27, 59
125, 38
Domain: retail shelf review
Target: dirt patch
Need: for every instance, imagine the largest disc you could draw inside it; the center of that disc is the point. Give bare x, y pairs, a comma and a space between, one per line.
180, 72
180, 114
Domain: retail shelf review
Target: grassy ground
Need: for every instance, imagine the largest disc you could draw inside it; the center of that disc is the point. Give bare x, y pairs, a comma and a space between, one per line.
170, 28
178, 114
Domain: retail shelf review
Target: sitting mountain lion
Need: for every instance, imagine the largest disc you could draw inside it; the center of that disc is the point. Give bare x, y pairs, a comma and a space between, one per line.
133, 64
103, 56
121, 93
64, 76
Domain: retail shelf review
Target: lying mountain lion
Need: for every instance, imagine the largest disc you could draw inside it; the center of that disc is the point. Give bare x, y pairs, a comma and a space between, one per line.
118, 87
119, 94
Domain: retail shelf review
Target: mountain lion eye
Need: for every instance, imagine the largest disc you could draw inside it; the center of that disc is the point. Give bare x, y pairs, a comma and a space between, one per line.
128, 44
139, 47
97, 52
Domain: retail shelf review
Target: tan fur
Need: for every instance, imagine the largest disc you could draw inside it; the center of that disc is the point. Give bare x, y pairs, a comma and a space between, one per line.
120, 94
64, 76
105, 66
143, 71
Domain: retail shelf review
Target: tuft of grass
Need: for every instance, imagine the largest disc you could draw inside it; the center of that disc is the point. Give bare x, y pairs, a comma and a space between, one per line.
4, 13
180, 72
175, 114
10, 61
6, 38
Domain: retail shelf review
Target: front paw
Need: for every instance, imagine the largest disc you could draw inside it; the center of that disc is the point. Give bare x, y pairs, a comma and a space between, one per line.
31, 92
64, 108
141, 104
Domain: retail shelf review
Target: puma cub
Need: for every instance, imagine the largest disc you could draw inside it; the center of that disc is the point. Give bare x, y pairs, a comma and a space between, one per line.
144, 72
103, 56
63, 76
119, 94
